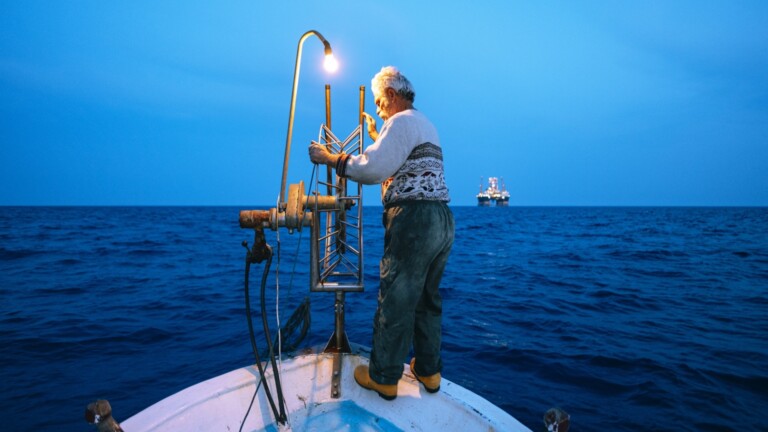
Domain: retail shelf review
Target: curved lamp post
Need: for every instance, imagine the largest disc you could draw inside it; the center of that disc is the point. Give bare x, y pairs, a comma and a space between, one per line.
330, 65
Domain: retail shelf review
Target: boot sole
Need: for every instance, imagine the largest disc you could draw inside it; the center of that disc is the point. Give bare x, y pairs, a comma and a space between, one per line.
381, 395
428, 389
385, 397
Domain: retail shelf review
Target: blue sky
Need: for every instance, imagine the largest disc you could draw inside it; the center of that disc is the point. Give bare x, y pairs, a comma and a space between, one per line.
572, 103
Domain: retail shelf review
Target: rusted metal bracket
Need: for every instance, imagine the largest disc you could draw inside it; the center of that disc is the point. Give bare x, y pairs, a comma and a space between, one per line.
338, 345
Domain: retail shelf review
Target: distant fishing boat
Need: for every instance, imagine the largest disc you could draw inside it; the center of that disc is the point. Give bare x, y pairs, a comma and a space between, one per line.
493, 194
483, 197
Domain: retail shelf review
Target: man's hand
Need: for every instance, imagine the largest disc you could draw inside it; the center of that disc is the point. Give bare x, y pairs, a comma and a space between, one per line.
371, 122
319, 154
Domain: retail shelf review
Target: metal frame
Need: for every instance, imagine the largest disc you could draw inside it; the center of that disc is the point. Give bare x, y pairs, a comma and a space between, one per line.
339, 266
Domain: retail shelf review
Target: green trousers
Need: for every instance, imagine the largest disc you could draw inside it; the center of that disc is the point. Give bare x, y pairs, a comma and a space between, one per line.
417, 241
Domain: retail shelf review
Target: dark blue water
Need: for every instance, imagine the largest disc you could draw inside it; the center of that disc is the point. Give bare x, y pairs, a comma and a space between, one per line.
628, 318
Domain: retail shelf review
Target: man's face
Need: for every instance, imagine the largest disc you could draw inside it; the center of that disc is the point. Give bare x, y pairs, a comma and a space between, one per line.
385, 103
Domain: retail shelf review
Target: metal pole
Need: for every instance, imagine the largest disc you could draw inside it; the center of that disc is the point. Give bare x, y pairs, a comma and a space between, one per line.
329, 170
296, 71
362, 104
340, 332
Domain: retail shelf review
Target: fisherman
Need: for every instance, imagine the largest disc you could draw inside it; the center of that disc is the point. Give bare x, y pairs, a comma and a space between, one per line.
406, 158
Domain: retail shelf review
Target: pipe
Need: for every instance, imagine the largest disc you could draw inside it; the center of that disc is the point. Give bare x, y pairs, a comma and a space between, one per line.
296, 71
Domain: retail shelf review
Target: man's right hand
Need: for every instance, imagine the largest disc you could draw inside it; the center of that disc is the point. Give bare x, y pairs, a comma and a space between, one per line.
319, 154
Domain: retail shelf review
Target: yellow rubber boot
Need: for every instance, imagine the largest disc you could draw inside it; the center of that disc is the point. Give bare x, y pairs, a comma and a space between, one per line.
386, 391
431, 383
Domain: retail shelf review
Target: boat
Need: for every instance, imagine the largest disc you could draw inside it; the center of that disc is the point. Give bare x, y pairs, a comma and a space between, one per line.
233, 402
493, 194
483, 197
313, 389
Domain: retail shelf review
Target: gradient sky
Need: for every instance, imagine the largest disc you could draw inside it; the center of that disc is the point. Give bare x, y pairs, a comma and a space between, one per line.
572, 103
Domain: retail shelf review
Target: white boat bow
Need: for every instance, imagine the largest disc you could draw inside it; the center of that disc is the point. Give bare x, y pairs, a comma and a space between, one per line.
226, 403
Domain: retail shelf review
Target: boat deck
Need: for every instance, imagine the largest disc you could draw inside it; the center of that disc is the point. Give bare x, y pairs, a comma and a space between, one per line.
225, 403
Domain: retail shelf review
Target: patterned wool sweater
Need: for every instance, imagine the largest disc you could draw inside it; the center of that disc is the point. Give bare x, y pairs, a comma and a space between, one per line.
406, 159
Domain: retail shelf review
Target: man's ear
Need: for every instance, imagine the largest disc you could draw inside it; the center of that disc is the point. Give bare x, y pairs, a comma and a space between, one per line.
391, 93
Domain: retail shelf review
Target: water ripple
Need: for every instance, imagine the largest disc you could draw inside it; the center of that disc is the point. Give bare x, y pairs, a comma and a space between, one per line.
629, 318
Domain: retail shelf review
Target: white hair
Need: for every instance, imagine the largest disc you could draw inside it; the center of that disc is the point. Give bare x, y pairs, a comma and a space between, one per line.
390, 77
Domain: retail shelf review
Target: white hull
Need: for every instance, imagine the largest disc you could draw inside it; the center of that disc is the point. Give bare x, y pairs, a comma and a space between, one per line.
221, 404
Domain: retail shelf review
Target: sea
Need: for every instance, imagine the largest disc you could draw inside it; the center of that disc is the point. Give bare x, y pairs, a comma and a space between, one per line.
627, 318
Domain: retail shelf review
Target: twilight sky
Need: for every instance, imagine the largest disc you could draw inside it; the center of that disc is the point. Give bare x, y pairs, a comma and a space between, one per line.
571, 103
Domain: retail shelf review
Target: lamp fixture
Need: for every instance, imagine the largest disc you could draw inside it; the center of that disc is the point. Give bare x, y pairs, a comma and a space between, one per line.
331, 65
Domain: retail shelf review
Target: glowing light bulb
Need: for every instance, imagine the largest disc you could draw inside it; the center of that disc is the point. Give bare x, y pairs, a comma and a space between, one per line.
330, 63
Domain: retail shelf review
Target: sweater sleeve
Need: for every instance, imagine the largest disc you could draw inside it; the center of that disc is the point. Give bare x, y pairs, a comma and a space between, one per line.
385, 156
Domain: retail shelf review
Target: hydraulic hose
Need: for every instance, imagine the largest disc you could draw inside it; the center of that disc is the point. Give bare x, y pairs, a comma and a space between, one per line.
279, 415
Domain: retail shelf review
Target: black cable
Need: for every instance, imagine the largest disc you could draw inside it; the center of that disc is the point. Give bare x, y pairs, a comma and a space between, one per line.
299, 318
253, 399
250, 326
